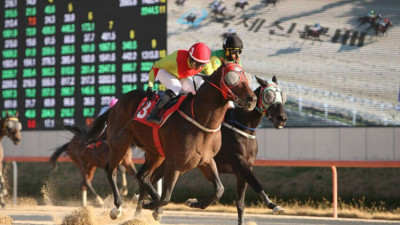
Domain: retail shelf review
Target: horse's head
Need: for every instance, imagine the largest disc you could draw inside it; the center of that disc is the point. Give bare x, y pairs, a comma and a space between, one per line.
271, 100
388, 22
12, 128
235, 86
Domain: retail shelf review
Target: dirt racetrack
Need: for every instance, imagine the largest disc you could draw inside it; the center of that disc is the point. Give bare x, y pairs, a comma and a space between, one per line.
46, 215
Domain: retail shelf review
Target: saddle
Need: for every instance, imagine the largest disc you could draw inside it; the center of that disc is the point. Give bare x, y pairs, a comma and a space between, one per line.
147, 105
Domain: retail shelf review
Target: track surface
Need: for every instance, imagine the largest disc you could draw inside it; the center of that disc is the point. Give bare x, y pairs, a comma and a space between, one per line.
55, 214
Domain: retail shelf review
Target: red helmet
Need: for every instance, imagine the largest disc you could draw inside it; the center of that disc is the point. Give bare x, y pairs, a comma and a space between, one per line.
200, 52
386, 20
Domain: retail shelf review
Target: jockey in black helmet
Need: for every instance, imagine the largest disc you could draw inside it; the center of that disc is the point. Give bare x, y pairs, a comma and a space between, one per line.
230, 52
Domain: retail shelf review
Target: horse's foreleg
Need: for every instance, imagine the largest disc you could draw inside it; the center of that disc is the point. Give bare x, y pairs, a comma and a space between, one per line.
244, 171
241, 187
3, 191
211, 173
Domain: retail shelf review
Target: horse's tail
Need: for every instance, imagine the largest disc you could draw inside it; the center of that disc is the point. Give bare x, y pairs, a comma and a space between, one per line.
75, 129
98, 128
56, 154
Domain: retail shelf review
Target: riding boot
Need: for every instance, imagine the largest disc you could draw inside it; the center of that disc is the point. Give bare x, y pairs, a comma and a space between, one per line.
153, 116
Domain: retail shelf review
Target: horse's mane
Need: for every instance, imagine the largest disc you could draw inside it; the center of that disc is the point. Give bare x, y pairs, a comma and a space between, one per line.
209, 78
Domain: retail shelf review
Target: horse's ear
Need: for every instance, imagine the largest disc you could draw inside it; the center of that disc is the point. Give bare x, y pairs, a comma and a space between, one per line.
17, 114
261, 81
8, 115
275, 80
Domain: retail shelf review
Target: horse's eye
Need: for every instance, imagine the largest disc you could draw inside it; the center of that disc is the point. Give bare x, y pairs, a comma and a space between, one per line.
269, 97
284, 97
232, 78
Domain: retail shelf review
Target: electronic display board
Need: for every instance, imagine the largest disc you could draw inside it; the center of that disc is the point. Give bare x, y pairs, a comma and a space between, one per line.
63, 60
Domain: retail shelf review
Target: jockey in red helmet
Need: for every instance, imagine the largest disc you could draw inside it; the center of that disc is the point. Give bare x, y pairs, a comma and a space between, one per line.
175, 72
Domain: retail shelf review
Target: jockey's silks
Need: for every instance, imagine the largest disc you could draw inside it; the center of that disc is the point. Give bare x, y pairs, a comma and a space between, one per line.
177, 64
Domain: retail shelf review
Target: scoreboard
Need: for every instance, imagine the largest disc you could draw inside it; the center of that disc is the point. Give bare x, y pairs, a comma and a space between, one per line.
63, 60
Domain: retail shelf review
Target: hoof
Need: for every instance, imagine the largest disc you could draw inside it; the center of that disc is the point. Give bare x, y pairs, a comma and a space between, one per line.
150, 205
5, 192
100, 201
278, 210
190, 201
124, 191
115, 213
135, 199
157, 214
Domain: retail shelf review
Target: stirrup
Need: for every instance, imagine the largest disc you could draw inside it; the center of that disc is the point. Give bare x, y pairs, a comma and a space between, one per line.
153, 118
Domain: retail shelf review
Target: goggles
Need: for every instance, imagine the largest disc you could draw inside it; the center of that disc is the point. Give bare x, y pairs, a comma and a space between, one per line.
197, 64
234, 51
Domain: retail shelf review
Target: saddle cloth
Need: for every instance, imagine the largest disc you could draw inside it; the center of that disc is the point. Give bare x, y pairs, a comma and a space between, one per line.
145, 108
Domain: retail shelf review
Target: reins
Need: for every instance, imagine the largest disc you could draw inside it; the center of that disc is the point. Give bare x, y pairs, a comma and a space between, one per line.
197, 124
234, 121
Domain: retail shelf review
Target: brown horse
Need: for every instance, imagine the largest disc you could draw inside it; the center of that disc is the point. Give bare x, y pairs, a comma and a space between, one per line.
370, 20
241, 5
10, 127
89, 157
312, 34
381, 29
187, 141
239, 144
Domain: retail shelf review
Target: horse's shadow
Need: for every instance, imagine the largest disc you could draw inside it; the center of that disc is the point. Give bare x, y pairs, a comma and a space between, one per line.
289, 50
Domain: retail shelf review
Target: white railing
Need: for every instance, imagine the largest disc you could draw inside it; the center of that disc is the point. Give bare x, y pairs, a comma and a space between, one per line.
331, 102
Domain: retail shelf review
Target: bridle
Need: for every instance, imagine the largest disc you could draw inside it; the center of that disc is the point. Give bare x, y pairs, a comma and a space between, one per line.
226, 89
14, 124
278, 97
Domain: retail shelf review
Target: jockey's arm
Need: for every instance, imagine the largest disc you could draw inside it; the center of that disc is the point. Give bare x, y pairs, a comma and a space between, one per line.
212, 66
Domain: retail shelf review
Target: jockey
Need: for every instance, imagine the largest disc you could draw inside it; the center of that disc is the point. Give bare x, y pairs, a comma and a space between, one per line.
371, 15
316, 28
232, 48
175, 72
220, 7
215, 4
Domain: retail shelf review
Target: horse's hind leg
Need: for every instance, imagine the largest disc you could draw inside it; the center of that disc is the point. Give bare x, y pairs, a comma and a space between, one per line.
157, 175
211, 173
112, 179
88, 183
124, 188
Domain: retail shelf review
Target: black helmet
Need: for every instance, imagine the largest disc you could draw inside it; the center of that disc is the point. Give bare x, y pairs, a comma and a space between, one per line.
233, 41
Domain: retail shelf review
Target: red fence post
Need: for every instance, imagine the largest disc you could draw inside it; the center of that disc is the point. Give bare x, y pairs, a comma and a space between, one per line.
334, 190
